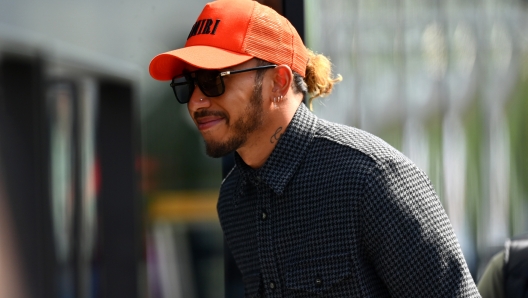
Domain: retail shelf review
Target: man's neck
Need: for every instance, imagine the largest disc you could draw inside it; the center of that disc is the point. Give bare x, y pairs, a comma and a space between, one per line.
261, 144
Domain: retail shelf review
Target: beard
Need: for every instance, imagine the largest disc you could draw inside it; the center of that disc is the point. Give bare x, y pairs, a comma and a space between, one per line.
241, 128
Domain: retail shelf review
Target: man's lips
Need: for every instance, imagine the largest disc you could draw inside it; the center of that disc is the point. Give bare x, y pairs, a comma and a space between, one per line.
208, 121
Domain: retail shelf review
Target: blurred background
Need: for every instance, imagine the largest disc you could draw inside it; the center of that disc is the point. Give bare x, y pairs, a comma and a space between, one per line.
105, 188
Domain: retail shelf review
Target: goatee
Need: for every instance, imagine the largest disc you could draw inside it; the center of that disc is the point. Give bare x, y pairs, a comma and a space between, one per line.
241, 128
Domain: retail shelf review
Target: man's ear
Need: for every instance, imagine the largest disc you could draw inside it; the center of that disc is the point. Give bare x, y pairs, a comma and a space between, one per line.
282, 80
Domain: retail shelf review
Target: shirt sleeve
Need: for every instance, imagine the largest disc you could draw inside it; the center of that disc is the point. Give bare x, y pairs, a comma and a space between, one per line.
491, 284
408, 236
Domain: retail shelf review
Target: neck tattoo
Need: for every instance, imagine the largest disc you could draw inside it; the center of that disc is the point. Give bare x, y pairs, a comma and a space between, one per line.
275, 137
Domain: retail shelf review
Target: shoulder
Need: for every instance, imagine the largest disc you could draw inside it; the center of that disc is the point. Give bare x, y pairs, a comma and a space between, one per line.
386, 175
361, 143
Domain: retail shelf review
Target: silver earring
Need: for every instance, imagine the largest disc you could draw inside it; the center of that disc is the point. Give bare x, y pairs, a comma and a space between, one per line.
201, 99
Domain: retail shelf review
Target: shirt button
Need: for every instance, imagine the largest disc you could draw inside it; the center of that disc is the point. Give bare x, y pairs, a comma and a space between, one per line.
318, 282
272, 285
264, 215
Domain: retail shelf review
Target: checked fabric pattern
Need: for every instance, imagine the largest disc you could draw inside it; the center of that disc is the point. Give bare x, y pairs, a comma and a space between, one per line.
337, 212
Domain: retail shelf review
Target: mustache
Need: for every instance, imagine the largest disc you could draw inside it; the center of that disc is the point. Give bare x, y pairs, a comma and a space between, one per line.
204, 113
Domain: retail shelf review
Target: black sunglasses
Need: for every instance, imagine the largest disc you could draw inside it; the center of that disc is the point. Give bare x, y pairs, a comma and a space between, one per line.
210, 82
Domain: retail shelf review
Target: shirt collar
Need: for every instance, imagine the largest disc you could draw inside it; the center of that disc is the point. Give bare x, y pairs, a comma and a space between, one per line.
287, 155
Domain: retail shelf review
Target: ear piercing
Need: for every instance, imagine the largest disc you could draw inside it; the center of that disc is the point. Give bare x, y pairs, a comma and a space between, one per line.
277, 99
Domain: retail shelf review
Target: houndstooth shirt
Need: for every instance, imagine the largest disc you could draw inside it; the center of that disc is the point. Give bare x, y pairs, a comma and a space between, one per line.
337, 212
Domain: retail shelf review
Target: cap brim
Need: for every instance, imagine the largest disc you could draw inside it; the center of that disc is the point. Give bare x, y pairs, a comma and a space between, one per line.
167, 65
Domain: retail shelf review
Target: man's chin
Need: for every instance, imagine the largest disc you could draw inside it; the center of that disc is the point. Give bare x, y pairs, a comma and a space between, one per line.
217, 154
215, 149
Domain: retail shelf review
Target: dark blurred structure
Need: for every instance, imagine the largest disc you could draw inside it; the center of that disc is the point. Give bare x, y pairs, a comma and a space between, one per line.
69, 137
11, 278
505, 274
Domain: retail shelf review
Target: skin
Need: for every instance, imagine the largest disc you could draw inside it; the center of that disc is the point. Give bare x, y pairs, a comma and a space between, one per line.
221, 120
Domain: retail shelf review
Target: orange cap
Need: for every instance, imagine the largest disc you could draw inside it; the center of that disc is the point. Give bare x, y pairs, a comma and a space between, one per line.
230, 32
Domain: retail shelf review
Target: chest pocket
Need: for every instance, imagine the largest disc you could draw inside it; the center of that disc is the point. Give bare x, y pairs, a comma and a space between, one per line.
318, 275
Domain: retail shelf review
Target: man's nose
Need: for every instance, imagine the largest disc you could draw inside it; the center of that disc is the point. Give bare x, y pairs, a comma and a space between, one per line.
198, 100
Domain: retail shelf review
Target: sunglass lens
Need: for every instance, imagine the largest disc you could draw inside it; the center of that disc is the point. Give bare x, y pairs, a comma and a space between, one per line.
210, 82
183, 89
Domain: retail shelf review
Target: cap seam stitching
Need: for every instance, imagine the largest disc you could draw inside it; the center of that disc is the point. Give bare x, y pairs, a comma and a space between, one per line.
292, 45
244, 44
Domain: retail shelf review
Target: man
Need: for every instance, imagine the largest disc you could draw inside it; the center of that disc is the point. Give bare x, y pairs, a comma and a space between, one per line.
311, 208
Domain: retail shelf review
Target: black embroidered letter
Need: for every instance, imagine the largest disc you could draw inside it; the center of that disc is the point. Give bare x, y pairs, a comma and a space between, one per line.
203, 27
202, 22
216, 26
193, 30
207, 27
